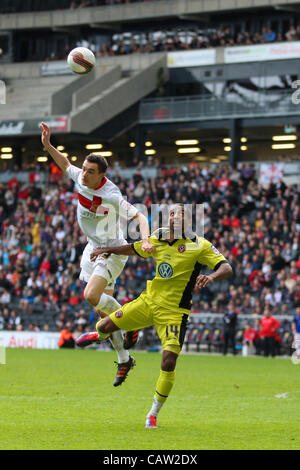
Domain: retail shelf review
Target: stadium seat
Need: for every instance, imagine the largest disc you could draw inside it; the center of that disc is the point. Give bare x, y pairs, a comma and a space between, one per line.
216, 340
206, 338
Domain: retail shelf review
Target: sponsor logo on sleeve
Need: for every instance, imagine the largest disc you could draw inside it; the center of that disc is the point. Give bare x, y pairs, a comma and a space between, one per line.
214, 249
119, 314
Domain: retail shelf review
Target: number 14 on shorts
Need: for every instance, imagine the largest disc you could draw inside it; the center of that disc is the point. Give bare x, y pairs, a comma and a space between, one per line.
172, 331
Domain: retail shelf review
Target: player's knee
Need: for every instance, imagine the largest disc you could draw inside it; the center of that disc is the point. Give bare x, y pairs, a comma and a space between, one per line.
104, 325
169, 359
91, 297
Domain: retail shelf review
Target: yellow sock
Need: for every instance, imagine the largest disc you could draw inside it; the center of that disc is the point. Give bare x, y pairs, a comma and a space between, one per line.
164, 385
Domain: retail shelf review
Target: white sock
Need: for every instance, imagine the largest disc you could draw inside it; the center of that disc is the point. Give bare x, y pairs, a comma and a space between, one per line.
156, 406
108, 304
116, 340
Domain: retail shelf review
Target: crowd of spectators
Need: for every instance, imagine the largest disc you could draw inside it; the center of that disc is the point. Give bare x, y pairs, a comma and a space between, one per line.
148, 39
177, 39
257, 228
189, 39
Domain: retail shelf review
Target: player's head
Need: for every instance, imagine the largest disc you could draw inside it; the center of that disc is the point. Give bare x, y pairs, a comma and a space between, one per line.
180, 220
93, 170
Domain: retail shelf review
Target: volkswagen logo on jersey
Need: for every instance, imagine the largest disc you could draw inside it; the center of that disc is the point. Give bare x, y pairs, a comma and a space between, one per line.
181, 248
165, 270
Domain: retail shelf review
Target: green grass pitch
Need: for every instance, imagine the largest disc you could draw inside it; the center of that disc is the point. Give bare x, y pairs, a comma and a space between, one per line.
64, 399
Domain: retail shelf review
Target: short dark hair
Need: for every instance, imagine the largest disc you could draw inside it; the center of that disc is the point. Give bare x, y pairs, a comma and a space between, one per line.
100, 161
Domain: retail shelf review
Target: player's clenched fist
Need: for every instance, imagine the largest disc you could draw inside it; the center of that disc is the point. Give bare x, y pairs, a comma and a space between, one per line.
203, 281
147, 246
96, 252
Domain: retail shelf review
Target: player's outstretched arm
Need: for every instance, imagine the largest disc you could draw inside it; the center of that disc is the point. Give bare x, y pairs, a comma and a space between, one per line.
57, 156
116, 250
145, 233
224, 271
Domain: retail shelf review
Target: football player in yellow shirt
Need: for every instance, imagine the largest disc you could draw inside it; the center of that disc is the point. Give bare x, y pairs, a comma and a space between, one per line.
166, 302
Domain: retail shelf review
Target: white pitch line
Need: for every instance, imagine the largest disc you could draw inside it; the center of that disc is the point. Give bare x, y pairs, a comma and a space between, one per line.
286, 394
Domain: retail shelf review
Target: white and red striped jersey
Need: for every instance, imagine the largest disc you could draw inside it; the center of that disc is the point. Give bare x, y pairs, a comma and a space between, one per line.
99, 210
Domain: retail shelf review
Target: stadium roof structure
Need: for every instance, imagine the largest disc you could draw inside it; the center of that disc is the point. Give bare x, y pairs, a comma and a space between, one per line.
137, 12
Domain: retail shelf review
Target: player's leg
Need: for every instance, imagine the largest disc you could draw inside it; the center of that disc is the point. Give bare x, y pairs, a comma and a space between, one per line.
172, 337
131, 316
103, 301
106, 329
99, 293
163, 387
94, 290
116, 338
110, 268
100, 276
94, 293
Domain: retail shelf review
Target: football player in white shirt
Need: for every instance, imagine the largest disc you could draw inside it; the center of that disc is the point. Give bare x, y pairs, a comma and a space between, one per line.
100, 204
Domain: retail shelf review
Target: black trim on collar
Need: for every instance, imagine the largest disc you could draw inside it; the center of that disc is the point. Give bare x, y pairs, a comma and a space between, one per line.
167, 241
162, 231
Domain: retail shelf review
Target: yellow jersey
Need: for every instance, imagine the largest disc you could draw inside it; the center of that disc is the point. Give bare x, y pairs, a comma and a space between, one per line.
178, 264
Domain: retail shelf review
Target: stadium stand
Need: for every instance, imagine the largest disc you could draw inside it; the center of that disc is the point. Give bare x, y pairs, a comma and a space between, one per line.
177, 38
178, 32
256, 228
182, 39
135, 86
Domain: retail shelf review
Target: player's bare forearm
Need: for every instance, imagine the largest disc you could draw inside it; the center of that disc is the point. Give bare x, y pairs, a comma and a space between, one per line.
145, 232
224, 271
57, 156
126, 250
144, 226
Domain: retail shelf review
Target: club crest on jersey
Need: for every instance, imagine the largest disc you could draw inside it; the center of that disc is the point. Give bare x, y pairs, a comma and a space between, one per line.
119, 314
181, 248
214, 249
165, 270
